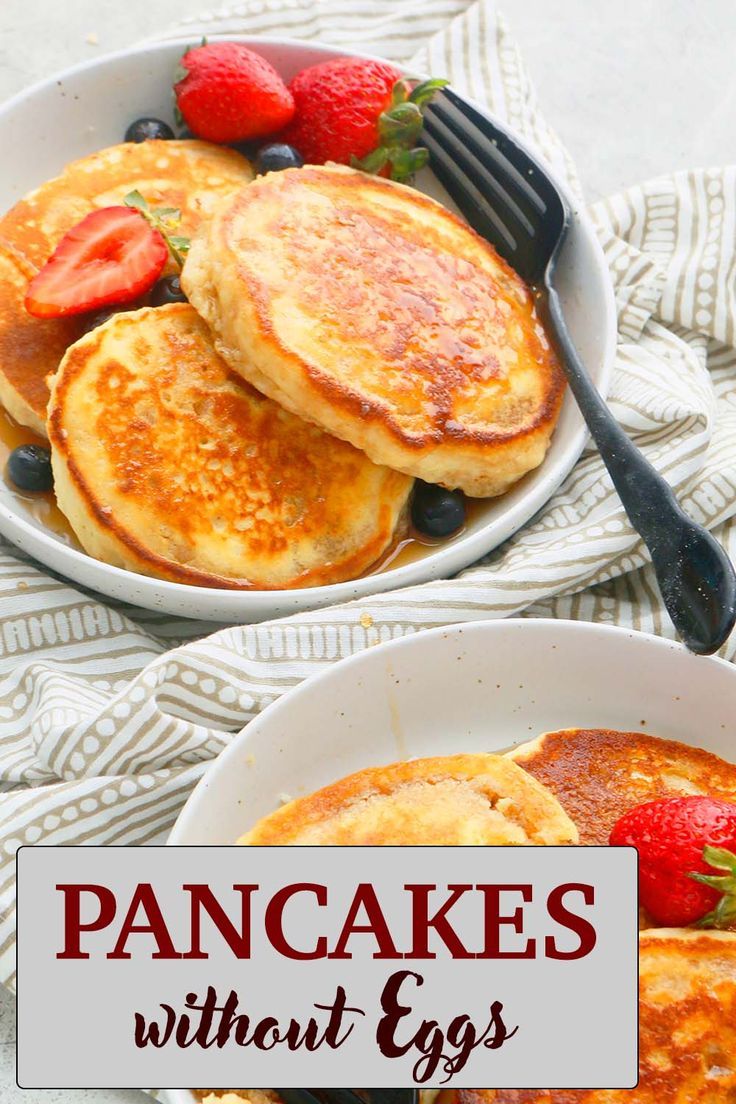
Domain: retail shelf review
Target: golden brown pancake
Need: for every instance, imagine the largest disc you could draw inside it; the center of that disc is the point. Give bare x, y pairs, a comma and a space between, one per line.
598, 774
167, 464
371, 310
190, 175
687, 1028
448, 800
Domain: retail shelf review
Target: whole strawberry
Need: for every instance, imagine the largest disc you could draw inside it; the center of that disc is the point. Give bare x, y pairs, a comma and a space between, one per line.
227, 93
359, 112
687, 859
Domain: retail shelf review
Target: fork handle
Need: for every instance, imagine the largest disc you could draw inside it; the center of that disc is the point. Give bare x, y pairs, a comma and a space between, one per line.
647, 497
673, 539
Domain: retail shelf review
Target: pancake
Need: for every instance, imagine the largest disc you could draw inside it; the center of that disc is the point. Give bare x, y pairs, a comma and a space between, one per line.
449, 800
167, 464
365, 307
687, 1028
30, 348
190, 175
598, 774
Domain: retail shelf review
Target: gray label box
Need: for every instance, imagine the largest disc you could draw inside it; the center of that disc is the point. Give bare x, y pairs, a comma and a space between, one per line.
538, 1019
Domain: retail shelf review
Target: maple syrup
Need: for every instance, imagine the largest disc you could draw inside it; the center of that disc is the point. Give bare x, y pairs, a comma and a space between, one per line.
415, 546
41, 506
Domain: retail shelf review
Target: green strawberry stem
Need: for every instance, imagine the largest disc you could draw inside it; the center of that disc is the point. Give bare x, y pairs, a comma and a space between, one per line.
399, 128
163, 219
724, 914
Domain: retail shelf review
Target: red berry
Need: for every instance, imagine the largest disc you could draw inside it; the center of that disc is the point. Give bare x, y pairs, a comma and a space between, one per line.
111, 256
338, 104
231, 94
671, 835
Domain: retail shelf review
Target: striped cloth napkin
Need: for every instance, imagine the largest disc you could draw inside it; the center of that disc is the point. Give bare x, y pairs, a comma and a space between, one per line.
109, 715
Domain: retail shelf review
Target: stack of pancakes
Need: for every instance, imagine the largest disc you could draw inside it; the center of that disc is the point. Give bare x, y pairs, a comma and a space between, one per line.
345, 335
562, 788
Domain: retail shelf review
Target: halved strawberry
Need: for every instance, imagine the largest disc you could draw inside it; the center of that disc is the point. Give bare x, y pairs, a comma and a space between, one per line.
112, 256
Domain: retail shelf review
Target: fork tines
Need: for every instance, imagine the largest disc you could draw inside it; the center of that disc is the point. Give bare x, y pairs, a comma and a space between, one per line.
499, 188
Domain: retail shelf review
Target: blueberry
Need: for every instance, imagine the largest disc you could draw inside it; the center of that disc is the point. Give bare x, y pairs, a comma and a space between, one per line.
145, 128
167, 290
94, 320
29, 468
276, 157
435, 511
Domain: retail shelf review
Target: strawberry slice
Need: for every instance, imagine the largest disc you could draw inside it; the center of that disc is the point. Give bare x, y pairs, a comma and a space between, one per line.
112, 256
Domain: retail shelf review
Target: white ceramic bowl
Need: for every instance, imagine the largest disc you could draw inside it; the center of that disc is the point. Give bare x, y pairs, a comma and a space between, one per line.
89, 107
478, 687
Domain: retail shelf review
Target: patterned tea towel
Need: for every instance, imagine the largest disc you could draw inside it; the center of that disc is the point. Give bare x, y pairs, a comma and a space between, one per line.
108, 718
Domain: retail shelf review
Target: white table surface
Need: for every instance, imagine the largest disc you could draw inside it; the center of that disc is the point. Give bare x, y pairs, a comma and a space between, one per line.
634, 87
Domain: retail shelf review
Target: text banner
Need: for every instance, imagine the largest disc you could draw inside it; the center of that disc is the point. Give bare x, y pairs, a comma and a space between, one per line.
330, 966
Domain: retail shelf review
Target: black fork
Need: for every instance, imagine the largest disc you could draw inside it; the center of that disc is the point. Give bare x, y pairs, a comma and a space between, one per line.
510, 200
348, 1096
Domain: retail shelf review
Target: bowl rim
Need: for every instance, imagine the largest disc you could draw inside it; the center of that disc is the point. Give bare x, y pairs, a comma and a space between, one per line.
153, 593
595, 630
